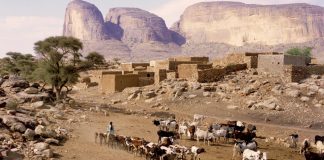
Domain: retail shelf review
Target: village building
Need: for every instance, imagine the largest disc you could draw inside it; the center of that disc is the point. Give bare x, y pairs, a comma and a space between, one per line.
200, 69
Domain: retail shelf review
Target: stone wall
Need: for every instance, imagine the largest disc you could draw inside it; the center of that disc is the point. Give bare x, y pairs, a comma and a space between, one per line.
192, 72
190, 59
271, 64
299, 73
160, 75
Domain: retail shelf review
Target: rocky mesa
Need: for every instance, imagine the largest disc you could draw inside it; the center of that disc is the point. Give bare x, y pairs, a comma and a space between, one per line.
237, 23
208, 28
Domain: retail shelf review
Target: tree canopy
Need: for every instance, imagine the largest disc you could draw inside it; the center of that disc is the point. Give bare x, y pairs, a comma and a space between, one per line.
306, 52
19, 64
58, 59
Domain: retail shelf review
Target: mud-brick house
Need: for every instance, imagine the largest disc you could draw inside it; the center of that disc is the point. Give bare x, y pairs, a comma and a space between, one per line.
275, 64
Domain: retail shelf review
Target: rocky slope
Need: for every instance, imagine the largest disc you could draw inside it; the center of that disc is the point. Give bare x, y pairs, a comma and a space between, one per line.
237, 23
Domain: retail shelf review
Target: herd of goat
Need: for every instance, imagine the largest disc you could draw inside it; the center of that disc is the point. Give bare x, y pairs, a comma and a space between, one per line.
170, 130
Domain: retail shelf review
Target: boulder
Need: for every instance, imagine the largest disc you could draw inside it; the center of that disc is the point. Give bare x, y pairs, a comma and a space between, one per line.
3, 104
206, 94
29, 134
132, 96
48, 153
41, 146
38, 105
293, 93
149, 95
18, 126
2, 92
269, 104
31, 90
321, 91
248, 90
15, 82
44, 132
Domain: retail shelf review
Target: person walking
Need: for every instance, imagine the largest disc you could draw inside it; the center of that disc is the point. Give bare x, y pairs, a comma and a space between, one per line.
111, 129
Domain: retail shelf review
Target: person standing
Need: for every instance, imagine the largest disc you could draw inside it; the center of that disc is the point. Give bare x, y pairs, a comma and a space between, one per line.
111, 129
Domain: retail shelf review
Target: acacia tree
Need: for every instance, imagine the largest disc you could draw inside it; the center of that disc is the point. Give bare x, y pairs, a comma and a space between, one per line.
58, 58
18, 64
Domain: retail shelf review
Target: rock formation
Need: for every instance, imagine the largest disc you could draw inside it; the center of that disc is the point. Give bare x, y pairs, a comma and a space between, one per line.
138, 26
237, 23
84, 21
205, 29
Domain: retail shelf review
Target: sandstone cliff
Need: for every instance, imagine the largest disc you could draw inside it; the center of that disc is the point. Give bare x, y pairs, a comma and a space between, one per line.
84, 21
138, 26
237, 23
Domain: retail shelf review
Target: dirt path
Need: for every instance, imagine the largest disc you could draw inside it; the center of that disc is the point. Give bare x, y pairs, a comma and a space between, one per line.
82, 146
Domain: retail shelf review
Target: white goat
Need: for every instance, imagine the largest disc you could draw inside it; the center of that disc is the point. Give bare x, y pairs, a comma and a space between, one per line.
254, 155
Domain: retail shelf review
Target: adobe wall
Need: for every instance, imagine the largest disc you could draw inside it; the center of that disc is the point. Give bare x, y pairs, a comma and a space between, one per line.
188, 71
251, 61
107, 84
190, 59
235, 68
271, 64
132, 66
160, 75
124, 81
295, 60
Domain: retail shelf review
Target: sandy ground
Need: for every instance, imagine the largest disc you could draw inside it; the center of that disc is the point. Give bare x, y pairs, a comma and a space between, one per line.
83, 147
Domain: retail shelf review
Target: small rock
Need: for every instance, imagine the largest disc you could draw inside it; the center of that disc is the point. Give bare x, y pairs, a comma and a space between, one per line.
192, 96
318, 105
31, 90
41, 146
233, 107
156, 105
250, 103
206, 94
304, 99
38, 105
149, 100
132, 96
52, 141
115, 101
293, 93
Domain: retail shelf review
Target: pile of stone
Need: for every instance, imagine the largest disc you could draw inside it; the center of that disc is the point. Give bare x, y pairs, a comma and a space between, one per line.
29, 124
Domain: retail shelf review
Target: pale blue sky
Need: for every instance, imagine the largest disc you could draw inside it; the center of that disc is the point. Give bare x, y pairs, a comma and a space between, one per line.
23, 22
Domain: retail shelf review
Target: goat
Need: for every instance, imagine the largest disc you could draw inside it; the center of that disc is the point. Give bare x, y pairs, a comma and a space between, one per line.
254, 155
239, 147
196, 151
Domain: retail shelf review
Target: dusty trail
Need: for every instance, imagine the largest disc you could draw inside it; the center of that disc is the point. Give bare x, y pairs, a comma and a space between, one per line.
82, 146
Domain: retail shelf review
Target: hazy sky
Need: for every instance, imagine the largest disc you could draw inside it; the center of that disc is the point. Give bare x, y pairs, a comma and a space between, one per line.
23, 22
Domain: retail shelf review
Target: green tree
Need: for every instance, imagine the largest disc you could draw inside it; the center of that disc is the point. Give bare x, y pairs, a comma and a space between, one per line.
57, 65
19, 64
95, 58
307, 51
